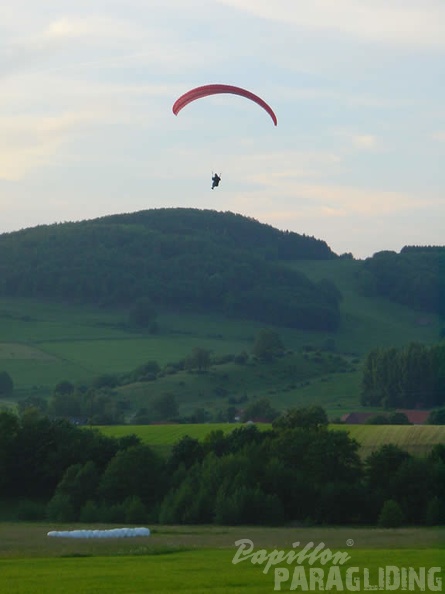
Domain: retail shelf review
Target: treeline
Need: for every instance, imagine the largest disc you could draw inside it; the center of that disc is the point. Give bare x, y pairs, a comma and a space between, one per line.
226, 228
411, 377
178, 258
297, 472
414, 277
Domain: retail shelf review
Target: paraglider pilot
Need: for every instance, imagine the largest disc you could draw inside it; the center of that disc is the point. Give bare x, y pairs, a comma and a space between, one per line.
215, 181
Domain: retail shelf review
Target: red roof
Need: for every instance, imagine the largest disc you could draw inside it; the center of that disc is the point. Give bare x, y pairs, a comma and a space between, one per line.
416, 417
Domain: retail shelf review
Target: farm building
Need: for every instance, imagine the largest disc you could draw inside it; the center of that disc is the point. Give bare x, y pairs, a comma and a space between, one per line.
416, 417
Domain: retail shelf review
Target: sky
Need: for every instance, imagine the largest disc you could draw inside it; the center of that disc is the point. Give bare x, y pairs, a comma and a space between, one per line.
357, 158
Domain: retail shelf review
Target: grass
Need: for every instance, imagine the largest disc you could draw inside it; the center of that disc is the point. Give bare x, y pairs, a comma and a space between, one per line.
47, 343
120, 356
370, 321
416, 439
192, 560
44, 343
284, 382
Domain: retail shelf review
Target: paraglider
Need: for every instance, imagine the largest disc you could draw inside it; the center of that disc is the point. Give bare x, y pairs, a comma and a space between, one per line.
215, 181
215, 89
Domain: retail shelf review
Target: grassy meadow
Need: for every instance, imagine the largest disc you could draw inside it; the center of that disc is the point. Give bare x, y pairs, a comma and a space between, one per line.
370, 321
44, 343
416, 439
195, 560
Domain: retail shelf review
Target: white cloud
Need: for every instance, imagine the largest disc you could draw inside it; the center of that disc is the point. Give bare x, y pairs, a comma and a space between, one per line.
397, 22
343, 97
28, 142
93, 26
365, 141
342, 199
326, 200
75, 27
359, 141
439, 136
94, 41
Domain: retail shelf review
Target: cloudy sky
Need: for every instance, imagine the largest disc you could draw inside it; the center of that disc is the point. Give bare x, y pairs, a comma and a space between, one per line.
357, 158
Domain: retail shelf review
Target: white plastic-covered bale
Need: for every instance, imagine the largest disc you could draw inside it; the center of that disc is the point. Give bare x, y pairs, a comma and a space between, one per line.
112, 533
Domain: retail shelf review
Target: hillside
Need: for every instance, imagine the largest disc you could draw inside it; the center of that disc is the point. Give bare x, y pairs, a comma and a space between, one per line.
182, 259
414, 277
72, 326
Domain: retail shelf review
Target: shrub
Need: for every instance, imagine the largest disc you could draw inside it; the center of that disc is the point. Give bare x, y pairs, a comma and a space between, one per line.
60, 509
135, 512
391, 515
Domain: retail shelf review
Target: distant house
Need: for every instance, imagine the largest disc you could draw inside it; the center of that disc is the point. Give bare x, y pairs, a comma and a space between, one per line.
262, 420
416, 417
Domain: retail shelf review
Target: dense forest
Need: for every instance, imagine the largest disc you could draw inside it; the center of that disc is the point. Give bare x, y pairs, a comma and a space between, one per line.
405, 378
179, 258
226, 228
206, 261
414, 277
300, 471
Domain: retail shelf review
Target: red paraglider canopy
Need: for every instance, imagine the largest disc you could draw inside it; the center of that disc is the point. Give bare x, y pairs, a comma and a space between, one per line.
216, 89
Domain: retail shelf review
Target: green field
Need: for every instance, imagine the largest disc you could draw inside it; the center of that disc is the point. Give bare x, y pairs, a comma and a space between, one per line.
44, 343
417, 439
196, 560
366, 321
167, 435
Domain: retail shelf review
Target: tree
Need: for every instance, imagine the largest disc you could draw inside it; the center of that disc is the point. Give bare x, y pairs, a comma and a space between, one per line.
199, 359
79, 484
66, 405
435, 512
142, 417
437, 417
143, 313
379, 419
35, 402
243, 436
413, 487
60, 509
135, 512
381, 467
9, 431
311, 417
165, 407
267, 345
391, 515
186, 451
64, 387
320, 456
330, 289
247, 505
137, 471
146, 372
6, 384
260, 409
398, 418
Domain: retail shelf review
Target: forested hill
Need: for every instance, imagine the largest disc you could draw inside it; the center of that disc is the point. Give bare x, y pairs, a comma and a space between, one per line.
414, 277
226, 228
182, 258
